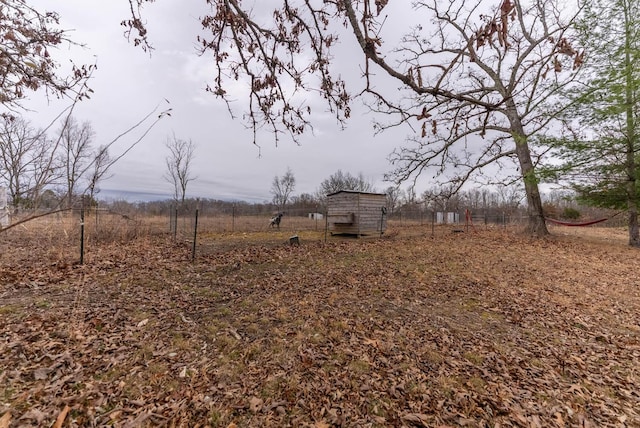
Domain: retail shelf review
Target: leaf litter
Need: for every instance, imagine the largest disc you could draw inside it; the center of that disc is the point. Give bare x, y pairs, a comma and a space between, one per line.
488, 329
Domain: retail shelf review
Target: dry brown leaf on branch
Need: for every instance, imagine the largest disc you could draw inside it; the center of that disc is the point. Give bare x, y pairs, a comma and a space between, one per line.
557, 65
380, 4
424, 114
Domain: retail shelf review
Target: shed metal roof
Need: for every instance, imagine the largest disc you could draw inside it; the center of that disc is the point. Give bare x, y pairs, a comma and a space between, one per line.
356, 192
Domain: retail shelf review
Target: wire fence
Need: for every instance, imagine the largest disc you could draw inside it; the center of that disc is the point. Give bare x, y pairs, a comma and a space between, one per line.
108, 225
182, 222
82, 229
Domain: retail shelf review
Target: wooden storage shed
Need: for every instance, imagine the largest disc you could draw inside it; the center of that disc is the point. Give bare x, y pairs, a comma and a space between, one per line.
356, 213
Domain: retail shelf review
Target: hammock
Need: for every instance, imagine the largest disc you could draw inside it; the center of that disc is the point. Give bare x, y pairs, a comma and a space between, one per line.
584, 223
566, 223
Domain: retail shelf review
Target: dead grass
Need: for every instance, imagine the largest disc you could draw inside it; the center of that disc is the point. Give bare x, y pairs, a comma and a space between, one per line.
459, 329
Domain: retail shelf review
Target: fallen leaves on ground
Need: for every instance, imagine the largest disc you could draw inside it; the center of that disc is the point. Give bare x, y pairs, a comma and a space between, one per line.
477, 329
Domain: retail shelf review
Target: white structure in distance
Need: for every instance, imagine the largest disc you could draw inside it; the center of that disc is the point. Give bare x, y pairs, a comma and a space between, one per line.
4, 209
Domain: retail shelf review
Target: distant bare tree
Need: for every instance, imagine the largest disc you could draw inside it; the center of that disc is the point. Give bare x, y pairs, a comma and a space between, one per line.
178, 162
44, 171
394, 195
439, 199
305, 201
76, 140
100, 166
511, 196
344, 181
282, 187
16, 143
26, 161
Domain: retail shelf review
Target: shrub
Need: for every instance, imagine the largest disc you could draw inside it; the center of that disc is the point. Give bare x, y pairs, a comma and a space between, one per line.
570, 213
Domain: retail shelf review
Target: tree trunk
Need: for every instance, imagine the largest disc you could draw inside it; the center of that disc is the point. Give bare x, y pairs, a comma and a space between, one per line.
536, 225
632, 174
632, 179
634, 231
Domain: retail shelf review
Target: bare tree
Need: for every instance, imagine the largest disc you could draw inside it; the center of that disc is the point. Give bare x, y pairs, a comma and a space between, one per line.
511, 196
178, 162
343, 181
394, 195
439, 198
16, 143
100, 167
44, 171
481, 81
75, 149
489, 85
282, 188
26, 161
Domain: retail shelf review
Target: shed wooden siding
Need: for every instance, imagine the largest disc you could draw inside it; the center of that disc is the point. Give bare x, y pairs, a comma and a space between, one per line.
356, 213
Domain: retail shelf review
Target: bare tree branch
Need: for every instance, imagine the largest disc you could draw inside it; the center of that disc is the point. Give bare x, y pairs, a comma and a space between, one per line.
28, 36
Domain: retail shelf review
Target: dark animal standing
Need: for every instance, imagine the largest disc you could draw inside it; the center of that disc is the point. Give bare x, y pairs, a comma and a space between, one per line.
275, 220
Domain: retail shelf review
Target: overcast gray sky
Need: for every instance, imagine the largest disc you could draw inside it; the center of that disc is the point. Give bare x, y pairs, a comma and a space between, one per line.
129, 83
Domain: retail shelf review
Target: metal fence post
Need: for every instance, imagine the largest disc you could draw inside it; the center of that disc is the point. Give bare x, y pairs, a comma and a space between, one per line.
326, 224
195, 235
82, 234
175, 223
433, 223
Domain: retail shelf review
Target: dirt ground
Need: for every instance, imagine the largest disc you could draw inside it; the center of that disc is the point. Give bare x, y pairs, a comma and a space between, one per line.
482, 328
